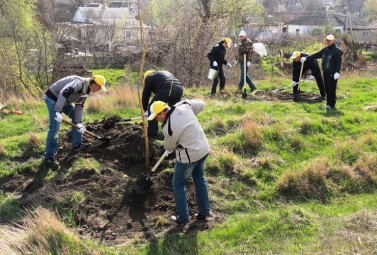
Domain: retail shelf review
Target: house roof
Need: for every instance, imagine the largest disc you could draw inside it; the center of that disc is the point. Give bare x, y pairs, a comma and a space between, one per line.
357, 22
332, 19
109, 16
318, 19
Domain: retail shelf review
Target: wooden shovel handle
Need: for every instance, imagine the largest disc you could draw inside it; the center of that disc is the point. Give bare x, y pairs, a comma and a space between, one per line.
159, 161
75, 126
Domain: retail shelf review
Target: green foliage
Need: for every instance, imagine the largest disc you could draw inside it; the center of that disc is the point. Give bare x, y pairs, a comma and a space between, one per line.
10, 208
26, 49
370, 8
88, 164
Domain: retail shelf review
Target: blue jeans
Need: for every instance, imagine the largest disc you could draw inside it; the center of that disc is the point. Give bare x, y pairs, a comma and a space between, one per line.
54, 126
248, 80
182, 172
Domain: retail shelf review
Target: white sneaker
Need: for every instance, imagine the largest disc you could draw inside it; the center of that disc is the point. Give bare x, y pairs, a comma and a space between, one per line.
328, 107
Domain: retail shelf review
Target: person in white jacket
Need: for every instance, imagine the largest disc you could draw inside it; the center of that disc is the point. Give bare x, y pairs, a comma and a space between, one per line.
184, 134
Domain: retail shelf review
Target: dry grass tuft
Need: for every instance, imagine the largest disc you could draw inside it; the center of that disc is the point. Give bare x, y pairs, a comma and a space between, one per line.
33, 142
369, 138
217, 127
122, 97
348, 151
41, 233
309, 183
252, 135
2, 150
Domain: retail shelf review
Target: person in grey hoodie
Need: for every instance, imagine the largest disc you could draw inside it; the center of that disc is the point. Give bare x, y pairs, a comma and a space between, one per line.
184, 134
59, 98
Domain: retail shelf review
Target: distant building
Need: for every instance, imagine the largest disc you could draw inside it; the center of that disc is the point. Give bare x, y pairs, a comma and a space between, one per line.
114, 23
315, 23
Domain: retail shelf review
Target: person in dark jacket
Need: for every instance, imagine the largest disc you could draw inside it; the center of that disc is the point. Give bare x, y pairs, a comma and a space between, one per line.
59, 98
331, 63
312, 65
245, 48
217, 60
166, 88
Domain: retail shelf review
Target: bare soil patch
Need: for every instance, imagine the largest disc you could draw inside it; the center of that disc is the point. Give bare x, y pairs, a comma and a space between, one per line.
111, 210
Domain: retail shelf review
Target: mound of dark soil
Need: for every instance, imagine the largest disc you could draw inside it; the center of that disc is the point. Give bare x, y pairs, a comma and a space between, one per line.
110, 210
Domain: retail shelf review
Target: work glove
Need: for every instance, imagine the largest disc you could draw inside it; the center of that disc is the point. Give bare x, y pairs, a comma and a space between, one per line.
293, 83
146, 114
336, 76
303, 59
248, 63
166, 153
58, 117
229, 65
214, 63
82, 128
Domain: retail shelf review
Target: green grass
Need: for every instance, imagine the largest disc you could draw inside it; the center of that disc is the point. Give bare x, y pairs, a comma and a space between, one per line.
287, 177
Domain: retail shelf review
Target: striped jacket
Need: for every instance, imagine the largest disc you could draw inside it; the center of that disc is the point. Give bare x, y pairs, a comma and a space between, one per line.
68, 90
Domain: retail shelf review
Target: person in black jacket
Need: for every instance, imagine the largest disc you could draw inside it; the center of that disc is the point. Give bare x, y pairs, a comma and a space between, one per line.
311, 64
166, 88
331, 62
217, 60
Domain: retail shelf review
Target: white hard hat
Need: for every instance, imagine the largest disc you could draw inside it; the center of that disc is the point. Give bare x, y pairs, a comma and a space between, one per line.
242, 33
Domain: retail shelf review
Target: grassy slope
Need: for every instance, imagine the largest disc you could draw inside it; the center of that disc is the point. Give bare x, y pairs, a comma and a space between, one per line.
245, 174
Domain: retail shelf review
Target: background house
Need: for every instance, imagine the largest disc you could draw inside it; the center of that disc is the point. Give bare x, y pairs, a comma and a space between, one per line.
116, 22
316, 23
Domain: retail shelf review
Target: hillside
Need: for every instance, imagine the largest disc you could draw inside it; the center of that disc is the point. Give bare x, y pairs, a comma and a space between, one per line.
284, 176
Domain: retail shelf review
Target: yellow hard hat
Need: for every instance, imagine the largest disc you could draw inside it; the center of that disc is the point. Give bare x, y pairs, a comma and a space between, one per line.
100, 80
228, 41
295, 54
148, 72
156, 108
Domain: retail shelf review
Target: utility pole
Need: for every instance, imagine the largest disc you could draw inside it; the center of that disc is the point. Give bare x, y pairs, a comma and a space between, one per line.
348, 20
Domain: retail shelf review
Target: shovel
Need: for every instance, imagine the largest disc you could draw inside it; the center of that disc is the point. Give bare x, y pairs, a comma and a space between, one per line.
144, 183
86, 132
299, 80
131, 119
244, 94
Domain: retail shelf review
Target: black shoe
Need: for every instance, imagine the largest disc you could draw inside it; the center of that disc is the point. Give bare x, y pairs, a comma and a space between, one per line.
81, 146
175, 219
51, 162
201, 217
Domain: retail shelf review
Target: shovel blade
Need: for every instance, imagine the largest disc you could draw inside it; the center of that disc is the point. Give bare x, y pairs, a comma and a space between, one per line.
143, 184
244, 94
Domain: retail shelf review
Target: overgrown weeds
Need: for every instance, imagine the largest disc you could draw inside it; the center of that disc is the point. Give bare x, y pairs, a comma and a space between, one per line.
42, 232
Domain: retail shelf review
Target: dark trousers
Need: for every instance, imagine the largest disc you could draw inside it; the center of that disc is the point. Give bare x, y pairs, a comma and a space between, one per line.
318, 78
174, 97
330, 87
248, 80
220, 76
